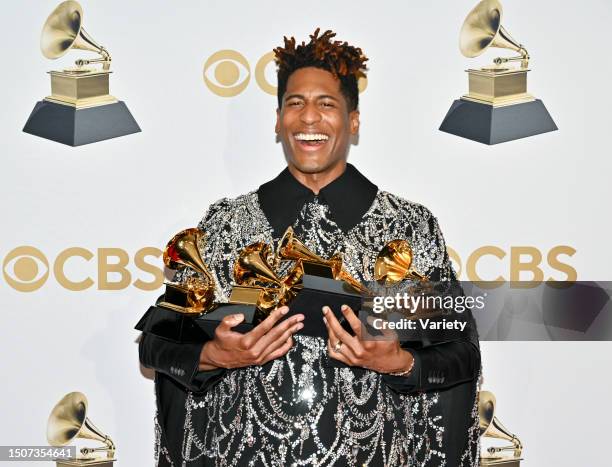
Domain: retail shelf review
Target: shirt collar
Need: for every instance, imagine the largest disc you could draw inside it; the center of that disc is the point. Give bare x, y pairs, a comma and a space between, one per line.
349, 197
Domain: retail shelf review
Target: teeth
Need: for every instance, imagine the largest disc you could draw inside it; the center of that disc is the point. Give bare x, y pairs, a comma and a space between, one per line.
311, 137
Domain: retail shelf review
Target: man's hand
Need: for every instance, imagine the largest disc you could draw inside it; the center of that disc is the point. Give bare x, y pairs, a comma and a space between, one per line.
265, 342
383, 356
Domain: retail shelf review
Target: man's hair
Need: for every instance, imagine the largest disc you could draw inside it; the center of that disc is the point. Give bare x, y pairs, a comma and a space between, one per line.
345, 62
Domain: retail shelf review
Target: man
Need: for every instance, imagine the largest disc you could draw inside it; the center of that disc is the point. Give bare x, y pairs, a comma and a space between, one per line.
275, 397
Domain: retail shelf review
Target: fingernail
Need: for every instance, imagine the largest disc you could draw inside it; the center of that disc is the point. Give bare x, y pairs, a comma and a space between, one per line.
299, 317
324, 310
344, 307
324, 320
284, 310
299, 326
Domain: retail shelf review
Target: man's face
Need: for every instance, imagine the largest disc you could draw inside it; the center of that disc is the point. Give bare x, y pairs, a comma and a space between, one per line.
314, 123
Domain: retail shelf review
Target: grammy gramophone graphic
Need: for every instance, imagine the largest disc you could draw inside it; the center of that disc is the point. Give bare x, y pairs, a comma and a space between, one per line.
497, 107
80, 109
68, 422
491, 427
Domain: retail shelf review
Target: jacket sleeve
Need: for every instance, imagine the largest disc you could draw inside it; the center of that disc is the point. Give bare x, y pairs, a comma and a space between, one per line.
180, 361
441, 364
438, 366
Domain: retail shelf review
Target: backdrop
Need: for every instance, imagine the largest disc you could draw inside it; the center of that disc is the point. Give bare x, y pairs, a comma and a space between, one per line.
92, 220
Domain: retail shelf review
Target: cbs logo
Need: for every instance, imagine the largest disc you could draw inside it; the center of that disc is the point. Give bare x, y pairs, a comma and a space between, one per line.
227, 73
524, 264
26, 269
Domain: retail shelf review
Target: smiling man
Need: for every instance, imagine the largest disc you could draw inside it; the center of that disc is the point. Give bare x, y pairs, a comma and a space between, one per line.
275, 397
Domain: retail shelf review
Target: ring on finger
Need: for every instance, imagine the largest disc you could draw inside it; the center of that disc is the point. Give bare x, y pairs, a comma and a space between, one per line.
338, 346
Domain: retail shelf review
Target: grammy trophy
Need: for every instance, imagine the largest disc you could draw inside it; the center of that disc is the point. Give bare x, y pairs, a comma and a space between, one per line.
497, 107
80, 109
67, 422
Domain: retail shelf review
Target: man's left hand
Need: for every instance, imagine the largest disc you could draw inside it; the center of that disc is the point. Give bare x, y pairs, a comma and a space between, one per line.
383, 356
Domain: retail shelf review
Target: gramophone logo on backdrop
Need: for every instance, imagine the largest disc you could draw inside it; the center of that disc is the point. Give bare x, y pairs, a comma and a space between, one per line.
227, 73
498, 107
80, 109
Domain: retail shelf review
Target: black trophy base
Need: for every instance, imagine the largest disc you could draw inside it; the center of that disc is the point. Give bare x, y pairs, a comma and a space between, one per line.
75, 127
492, 125
189, 328
318, 292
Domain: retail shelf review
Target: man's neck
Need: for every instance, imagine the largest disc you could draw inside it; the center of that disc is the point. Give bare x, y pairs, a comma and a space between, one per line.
316, 181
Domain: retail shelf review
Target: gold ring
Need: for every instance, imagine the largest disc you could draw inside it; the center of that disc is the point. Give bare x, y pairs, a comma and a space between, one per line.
338, 346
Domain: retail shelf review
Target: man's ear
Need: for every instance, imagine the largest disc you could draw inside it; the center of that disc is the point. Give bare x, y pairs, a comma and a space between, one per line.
277, 126
354, 122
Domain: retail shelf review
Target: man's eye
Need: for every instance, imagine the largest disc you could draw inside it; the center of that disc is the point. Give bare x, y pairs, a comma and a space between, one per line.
327, 104
294, 103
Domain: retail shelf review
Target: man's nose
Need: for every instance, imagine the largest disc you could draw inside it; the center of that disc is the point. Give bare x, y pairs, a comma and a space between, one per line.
310, 114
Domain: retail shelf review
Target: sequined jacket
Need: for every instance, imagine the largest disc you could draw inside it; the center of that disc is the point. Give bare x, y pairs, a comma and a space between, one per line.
300, 409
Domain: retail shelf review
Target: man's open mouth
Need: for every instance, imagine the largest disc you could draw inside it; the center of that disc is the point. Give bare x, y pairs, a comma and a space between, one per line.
311, 139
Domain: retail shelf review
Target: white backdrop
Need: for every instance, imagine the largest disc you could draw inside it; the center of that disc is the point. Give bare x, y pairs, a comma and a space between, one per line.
195, 147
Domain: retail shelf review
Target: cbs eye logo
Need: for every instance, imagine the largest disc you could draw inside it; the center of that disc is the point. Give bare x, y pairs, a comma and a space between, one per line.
25, 269
227, 73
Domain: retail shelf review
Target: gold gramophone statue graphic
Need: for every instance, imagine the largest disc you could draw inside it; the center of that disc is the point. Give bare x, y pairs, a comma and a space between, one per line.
80, 109
497, 107
491, 427
68, 421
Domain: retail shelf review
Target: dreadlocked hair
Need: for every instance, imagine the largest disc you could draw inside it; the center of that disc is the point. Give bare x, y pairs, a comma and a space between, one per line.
345, 62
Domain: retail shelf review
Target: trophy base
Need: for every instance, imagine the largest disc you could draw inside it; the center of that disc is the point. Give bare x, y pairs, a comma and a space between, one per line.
492, 125
503, 461
318, 292
68, 125
184, 328
85, 462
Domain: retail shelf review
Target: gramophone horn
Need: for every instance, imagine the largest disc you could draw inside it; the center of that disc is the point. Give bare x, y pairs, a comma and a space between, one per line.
64, 30
491, 427
483, 28
253, 265
292, 248
182, 250
394, 263
68, 421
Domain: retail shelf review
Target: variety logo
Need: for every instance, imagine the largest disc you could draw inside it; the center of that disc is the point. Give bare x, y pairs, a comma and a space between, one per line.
227, 73
27, 269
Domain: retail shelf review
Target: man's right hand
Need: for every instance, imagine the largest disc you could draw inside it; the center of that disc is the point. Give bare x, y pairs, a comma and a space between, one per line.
265, 342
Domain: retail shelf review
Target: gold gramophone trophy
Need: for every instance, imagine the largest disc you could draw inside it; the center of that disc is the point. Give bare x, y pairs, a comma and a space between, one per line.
188, 313
394, 264
491, 427
194, 295
257, 283
497, 107
290, 248
321, 282
68, 421
80, 109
